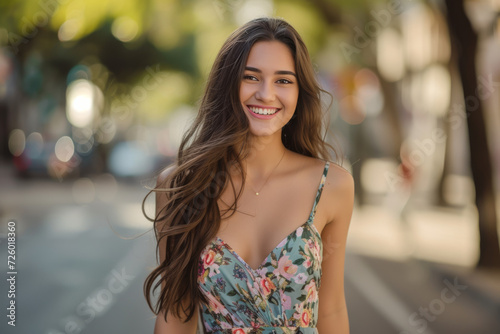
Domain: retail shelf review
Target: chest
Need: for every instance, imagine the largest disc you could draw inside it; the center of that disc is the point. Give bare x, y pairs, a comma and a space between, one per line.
262, 223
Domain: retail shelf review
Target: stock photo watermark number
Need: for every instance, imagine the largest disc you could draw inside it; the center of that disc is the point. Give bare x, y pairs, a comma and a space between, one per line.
11, 273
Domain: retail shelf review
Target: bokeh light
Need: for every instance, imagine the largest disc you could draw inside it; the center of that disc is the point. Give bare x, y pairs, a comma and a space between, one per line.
374, 174
417, 32
251, 9
390, 57
368, 92
70, 29
34, 145
83, 139
130, 159
84, 100
64, 148
17, 142
434, 90
125, 29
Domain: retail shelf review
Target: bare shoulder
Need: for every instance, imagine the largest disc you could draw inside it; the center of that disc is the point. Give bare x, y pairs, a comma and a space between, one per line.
338, 176
339, 181
304, 164
339, 192
337, 199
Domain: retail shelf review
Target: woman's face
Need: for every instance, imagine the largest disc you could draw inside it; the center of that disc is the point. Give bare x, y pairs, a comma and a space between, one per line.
269, 88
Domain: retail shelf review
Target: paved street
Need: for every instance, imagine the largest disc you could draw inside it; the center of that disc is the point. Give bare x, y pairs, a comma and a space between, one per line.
77, 275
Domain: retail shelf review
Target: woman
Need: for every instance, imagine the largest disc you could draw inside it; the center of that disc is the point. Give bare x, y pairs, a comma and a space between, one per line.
244, 241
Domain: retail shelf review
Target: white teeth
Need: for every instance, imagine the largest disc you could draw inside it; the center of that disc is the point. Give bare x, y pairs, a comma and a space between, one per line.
262, 111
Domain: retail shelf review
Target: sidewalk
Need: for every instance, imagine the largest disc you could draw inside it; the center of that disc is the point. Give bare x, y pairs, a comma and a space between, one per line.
434, 234
483, 284
443, 241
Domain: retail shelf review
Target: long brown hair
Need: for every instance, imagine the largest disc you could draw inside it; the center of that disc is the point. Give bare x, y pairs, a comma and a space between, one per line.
217, 140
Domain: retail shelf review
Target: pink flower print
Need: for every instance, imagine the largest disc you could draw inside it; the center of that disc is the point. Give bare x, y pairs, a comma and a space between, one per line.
307, 263
299, 231
282, 243
209, 258
238, 331
254, 290
298, 310
214, 270
286, 301
267, 286
225, 325
312, 293
261, 271
215, 305
254, 325
315, 251
305, 317
299, 307
286, 268
300, 278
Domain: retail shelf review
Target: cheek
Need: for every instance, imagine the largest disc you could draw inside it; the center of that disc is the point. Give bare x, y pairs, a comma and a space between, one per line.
245, 92
292, 99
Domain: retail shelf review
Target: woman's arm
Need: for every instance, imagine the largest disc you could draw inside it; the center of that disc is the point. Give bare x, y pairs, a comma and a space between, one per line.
174, 325
332, 315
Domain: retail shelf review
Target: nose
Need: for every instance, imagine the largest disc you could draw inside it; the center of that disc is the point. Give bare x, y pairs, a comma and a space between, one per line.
266, 92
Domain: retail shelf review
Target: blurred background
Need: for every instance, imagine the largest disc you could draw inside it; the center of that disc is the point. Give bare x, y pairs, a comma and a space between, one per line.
95, 96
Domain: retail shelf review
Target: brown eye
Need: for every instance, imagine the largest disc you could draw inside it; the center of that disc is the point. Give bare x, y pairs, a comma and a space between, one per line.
249, 77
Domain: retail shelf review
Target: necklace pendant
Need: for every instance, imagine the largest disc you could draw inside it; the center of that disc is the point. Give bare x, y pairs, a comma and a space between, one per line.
257, 194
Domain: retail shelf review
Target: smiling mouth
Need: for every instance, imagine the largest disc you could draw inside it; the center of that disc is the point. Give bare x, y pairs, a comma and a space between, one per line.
264, 111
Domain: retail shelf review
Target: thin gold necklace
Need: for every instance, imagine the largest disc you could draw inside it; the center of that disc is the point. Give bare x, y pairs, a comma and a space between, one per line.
258, 192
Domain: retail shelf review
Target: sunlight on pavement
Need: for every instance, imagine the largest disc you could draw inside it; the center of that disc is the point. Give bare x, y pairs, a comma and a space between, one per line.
376, 232
444, 236
434, 234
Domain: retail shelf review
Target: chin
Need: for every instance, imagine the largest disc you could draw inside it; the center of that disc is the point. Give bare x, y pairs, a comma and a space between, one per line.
263, 132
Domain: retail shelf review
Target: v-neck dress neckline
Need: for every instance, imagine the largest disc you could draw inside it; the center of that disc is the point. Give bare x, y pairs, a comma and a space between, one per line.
278, 246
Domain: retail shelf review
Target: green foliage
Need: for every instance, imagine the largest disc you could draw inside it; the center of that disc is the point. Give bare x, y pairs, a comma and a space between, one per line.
127, 36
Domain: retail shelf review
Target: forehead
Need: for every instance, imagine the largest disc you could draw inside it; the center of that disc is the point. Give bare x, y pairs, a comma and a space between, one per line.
271, 56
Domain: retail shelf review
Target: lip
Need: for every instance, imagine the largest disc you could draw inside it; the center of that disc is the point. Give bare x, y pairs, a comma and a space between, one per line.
263, 107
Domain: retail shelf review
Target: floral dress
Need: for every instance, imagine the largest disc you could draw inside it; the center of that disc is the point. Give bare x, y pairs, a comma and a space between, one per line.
280, 296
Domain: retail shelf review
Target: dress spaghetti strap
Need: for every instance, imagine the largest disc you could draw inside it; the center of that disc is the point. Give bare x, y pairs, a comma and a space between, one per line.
318, 194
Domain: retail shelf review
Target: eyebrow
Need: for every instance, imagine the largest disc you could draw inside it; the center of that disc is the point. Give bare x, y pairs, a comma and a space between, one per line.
253, 69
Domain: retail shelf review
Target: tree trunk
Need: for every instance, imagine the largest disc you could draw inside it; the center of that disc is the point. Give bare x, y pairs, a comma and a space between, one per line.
464, 40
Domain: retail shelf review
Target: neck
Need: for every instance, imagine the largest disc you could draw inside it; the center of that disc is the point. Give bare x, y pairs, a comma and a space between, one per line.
264, 155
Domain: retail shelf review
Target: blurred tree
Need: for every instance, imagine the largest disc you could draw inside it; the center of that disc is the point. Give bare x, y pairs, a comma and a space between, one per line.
333, 12
130, 39
464, 40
